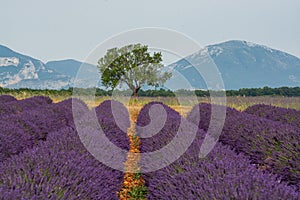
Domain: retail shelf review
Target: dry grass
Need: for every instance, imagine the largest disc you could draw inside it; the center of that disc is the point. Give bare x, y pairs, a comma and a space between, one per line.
186, 103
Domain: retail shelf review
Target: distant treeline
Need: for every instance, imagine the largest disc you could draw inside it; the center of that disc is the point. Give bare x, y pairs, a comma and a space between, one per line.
265, 91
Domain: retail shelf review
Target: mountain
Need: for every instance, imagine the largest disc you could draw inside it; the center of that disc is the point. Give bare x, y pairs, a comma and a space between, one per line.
241, 65
85, 74
69, 67
21, 71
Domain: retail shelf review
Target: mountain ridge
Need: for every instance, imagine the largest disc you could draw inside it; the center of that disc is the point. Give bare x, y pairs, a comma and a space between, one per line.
241, 64
21, 71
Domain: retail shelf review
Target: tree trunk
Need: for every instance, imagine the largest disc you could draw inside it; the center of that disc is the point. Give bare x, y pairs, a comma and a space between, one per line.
135, 92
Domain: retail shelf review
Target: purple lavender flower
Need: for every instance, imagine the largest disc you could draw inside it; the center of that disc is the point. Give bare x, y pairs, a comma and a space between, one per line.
272, 146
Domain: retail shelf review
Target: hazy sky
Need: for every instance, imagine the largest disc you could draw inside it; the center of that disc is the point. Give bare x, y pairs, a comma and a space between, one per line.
53, 30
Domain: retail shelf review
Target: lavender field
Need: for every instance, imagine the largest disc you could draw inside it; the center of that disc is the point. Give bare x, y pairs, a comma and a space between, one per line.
257, 155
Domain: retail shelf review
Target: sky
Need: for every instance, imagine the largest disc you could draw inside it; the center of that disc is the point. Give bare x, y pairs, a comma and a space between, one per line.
56, 30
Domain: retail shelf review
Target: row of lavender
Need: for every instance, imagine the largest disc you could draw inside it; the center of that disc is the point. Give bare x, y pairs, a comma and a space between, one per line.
284, 115
46, 169
42, 155
223, 173
271, 145
24, 123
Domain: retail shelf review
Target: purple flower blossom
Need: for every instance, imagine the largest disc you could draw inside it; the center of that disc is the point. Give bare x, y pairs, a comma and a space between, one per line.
222, 174
271, 145
6, 99
284, 115
60, 167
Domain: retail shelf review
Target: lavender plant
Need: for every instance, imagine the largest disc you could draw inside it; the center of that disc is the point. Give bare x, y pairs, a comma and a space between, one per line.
271, 145
43, 156
15, 107
284, 115
165, 135
6, 99
223, 174
113, 118
60, 168
24, 130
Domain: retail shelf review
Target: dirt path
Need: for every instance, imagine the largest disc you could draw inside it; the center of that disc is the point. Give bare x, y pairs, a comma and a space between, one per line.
133, 183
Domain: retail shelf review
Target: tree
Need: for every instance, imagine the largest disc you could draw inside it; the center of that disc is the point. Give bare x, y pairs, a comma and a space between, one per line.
132, 65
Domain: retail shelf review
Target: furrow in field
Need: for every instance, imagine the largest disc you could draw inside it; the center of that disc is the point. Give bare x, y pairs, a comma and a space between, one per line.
133, 183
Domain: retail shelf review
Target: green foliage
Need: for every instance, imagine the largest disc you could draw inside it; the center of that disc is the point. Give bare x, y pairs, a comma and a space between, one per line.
132, 65
265, 91
65, 93
135, 140
137, 175
139, 192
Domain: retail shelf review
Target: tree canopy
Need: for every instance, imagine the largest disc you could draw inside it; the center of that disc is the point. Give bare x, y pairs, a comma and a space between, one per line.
133, 65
